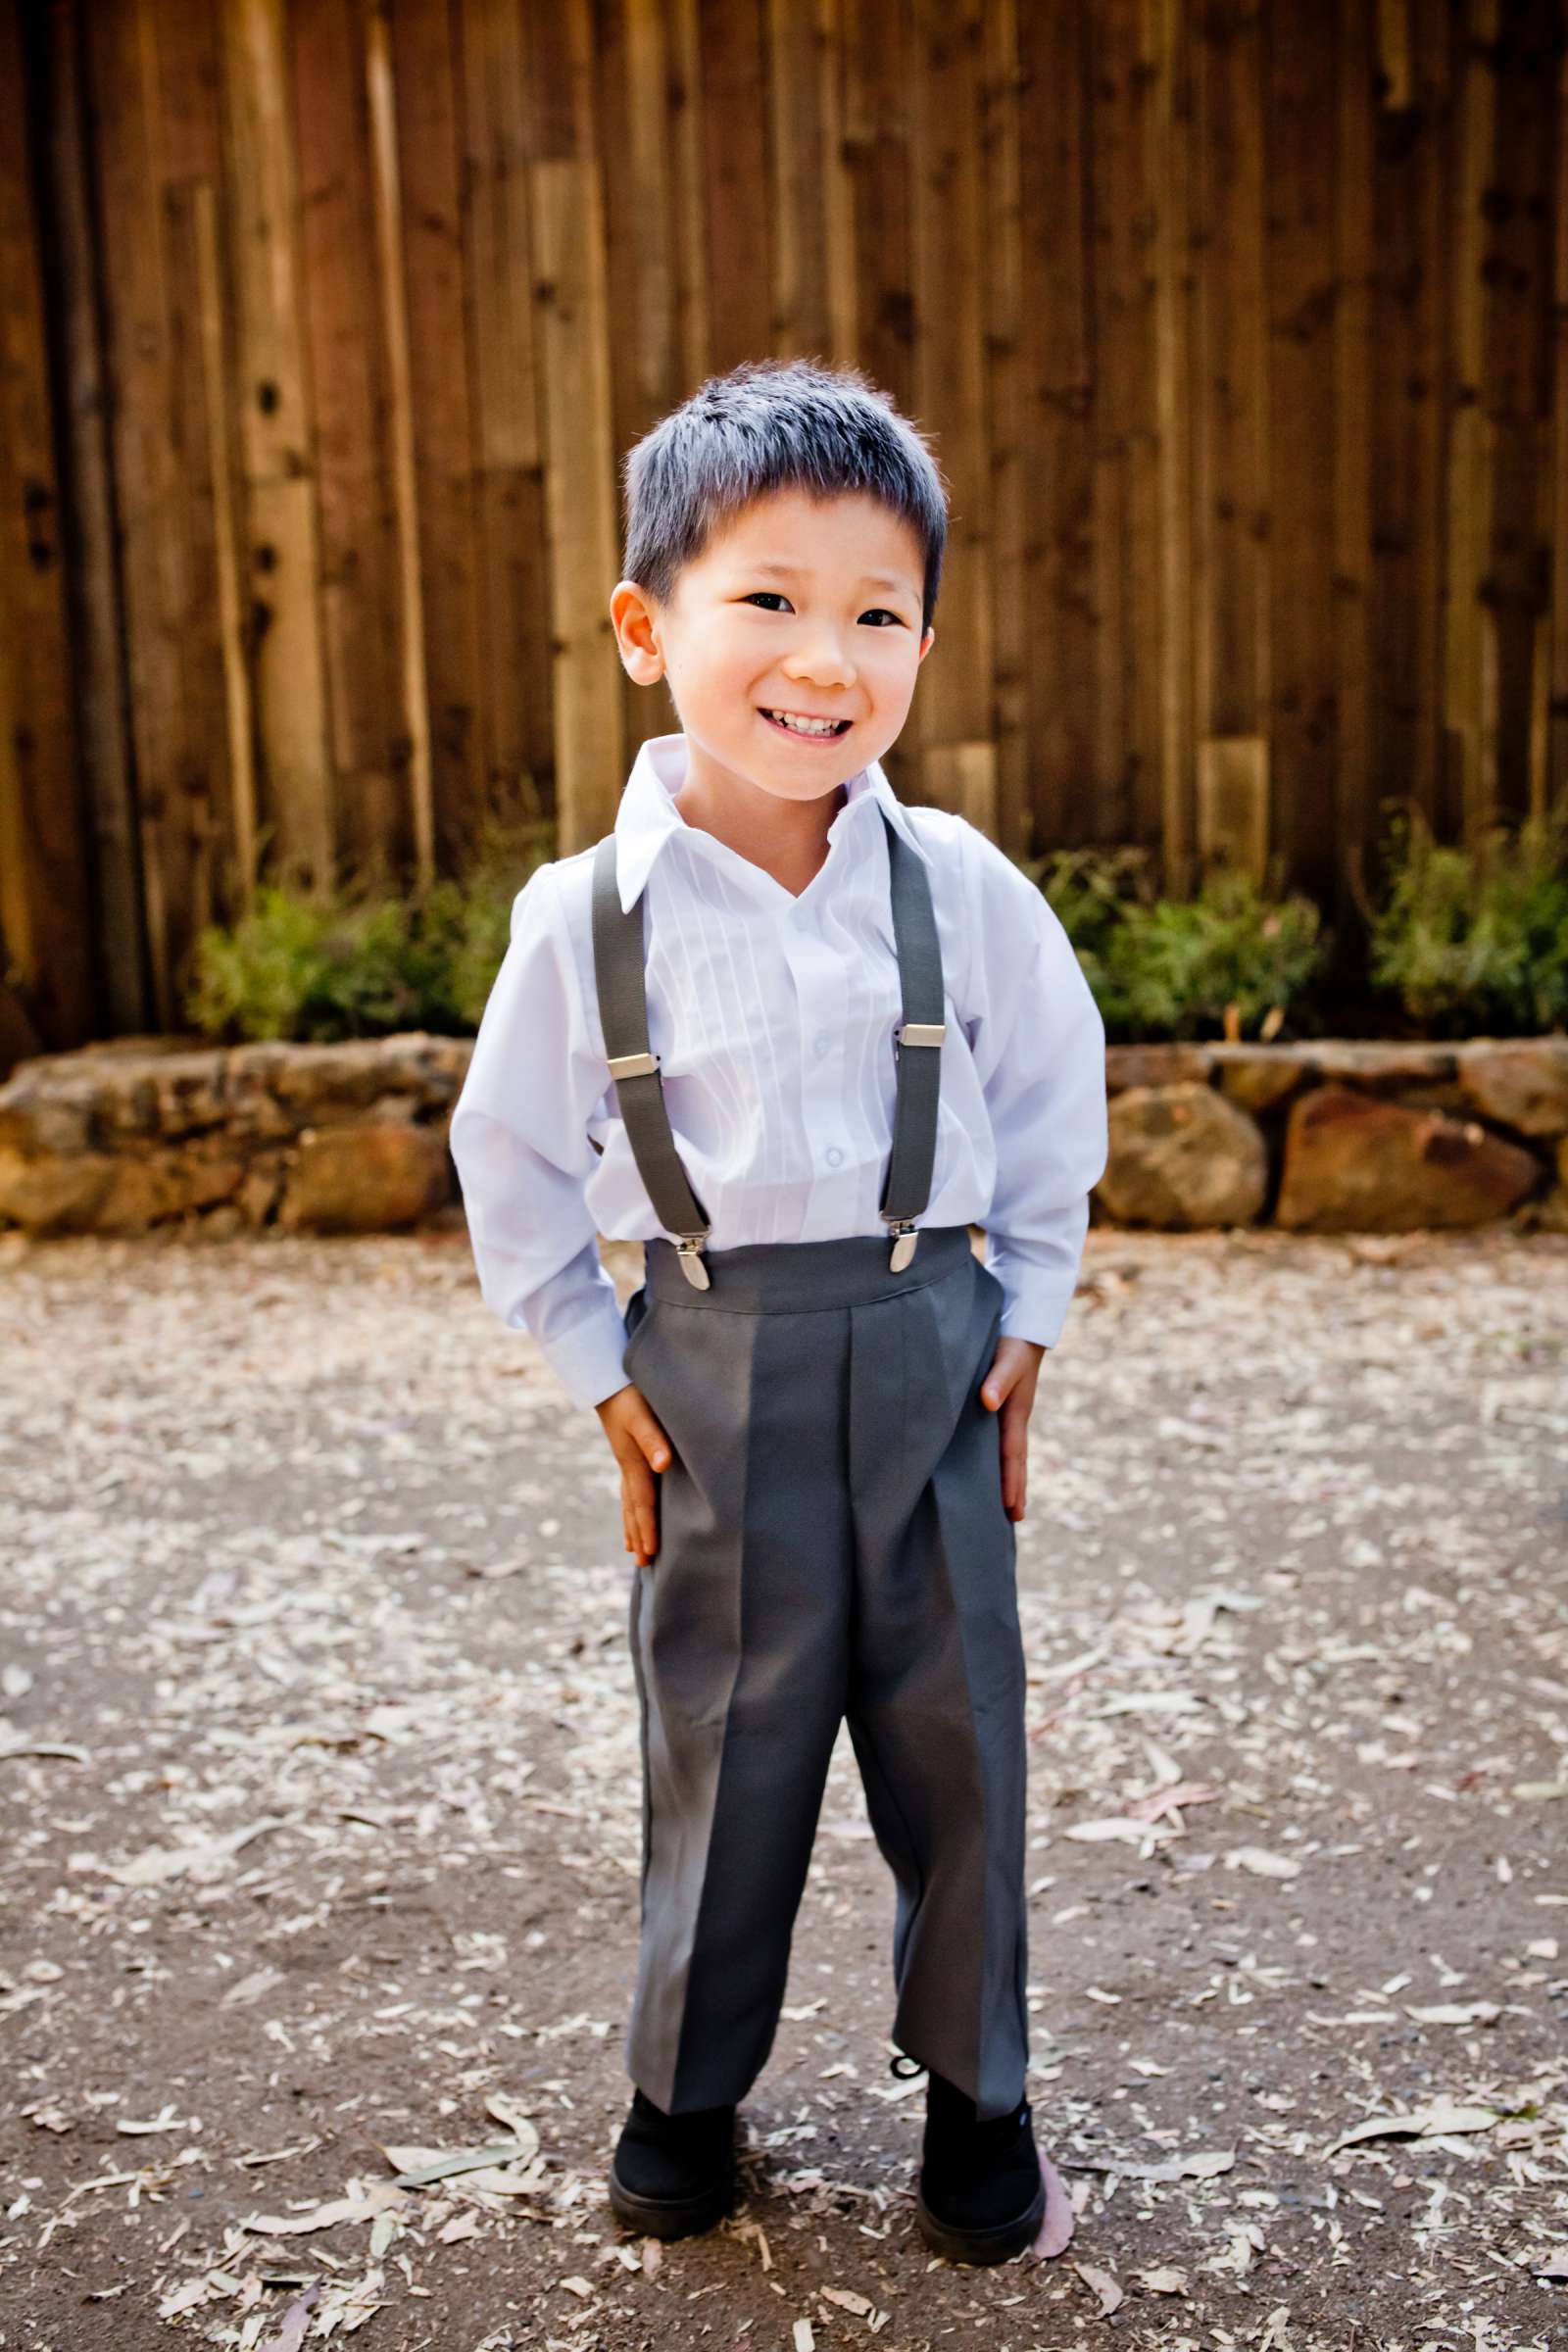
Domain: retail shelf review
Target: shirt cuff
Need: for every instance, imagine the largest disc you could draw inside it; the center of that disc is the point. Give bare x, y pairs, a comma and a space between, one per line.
1036, 1297
586, 1359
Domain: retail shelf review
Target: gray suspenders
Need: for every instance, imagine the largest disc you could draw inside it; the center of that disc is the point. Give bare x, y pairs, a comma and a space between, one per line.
617, 936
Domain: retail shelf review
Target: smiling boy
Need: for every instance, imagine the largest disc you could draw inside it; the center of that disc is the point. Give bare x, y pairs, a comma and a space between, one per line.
797, 1038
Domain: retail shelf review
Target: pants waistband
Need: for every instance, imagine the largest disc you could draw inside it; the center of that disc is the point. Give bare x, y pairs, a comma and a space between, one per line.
761, 1278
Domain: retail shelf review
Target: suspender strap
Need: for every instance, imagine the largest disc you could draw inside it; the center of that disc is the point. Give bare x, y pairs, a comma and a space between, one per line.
621, 984
906, 1187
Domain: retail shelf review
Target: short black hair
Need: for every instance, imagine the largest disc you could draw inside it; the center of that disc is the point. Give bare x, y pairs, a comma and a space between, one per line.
774, 424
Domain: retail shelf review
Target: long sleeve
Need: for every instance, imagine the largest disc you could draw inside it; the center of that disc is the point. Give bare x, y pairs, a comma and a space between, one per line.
519, 1140
1039, 1045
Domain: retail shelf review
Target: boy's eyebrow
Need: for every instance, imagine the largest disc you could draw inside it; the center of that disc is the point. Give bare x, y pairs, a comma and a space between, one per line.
868, 579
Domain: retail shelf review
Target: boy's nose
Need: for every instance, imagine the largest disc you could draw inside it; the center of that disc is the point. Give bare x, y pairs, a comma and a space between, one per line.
821, 663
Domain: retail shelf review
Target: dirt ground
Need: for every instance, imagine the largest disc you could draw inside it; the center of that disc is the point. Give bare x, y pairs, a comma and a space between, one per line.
319, 1815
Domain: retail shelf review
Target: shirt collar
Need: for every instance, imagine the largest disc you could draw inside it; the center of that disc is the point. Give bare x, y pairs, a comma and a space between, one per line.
648, 817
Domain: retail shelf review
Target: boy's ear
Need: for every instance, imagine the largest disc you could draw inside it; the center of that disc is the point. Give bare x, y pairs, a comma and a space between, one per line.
633, 616
927, 642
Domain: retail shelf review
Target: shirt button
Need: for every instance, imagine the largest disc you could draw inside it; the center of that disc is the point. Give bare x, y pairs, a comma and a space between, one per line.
833, 1156
821, 1040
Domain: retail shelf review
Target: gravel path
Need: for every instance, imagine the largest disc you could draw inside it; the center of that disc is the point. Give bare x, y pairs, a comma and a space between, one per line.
319, 1839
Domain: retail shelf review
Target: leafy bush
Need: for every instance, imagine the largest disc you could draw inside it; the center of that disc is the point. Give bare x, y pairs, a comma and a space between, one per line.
1475, 941
1229, 961
314, 965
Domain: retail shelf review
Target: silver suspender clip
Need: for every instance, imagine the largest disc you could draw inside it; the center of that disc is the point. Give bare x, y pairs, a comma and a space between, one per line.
689, 1257
905, 1238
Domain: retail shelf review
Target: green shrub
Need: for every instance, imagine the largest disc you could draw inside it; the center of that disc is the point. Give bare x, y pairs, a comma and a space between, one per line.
1475, 941
1231, 960
314, 966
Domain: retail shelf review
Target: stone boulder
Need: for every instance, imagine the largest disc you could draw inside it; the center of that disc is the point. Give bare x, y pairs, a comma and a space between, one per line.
1520, 1082
53, 1192
366, 1178
1259, 1078
1355, 1163
1183, 1157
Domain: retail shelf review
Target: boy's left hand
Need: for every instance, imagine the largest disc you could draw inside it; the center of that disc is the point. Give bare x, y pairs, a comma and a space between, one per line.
1010, 1386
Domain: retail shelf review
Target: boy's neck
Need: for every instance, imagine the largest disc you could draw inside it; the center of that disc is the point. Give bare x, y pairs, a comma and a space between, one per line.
787, 839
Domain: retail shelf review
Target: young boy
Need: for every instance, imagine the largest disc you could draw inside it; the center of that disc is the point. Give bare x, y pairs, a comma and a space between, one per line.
813, 1035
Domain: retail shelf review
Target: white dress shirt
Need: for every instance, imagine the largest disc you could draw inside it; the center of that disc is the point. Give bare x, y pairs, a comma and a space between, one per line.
773, 1016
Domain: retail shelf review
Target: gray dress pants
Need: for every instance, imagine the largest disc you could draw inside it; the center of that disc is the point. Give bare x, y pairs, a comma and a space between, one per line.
832, 1543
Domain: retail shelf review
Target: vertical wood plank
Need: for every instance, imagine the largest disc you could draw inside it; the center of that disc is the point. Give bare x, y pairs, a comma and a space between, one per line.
741, 230
1518, 275
955, 684
1002, 159
579, 477
500, 130
228, 550
1125, 195
1549, 731
1352, 736
45, 929
1406, 393
345, 346
1305, 292
412, 677
97, 610
1470, 674
288, 671
162, 453
800, 318
1232, 521
688, 138
878, 128
423, 75
201, 835
1167, 37
838, 194
1055, 355
878, 78
633, 68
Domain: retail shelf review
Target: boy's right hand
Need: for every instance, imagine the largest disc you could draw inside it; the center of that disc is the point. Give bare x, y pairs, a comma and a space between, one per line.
641, 1447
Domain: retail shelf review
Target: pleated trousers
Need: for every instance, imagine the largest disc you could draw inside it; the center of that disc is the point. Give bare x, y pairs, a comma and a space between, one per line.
832, 1546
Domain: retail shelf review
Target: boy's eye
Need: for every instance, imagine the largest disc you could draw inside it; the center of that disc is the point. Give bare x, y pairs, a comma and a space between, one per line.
780, 598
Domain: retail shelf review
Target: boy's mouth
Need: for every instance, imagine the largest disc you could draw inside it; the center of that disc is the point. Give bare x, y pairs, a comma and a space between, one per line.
805, 728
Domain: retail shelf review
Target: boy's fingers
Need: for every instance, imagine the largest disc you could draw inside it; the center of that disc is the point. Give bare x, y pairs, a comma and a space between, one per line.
653, 1442
644, 1513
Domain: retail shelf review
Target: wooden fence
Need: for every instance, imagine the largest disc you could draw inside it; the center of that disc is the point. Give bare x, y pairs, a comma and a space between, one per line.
1242, 328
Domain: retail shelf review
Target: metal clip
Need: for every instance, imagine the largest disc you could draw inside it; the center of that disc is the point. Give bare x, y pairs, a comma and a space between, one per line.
903, 1245
688, 1252
633, 1065
920, 1033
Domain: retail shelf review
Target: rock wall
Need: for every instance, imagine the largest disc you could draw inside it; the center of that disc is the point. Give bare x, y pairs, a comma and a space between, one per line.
1329, 1137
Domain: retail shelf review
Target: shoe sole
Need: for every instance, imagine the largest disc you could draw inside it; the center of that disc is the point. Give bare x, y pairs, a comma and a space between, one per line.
671, 2217
998, 2241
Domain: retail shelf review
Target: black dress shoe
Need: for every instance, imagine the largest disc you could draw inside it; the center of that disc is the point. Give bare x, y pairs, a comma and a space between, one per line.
982, 2195
674, 2175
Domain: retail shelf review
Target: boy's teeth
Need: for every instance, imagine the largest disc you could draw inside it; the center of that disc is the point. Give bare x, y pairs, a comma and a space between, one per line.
805, 726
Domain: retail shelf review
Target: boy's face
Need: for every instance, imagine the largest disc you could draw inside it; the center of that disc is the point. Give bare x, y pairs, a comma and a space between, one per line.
800, 606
